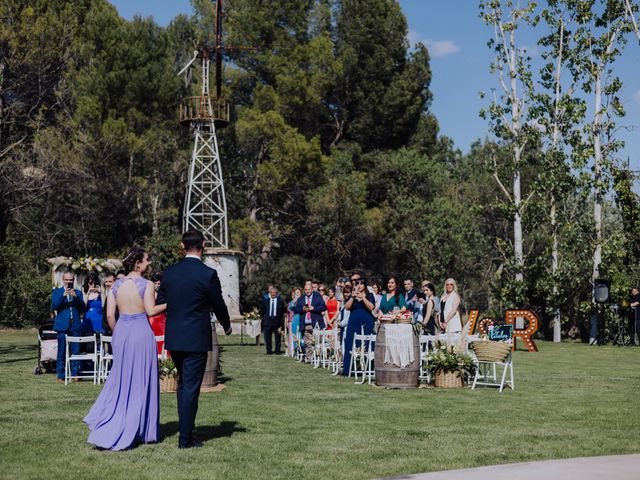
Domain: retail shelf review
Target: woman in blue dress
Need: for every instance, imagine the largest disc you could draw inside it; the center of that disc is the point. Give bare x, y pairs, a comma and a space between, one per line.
294, 321
93, 316
360, 306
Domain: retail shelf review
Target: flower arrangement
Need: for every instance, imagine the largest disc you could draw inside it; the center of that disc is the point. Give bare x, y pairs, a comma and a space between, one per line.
87, 264
449, 359
167, 369
252, 315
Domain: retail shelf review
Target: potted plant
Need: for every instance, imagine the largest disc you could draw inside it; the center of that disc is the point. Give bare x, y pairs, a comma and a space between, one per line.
168, 374
448, 365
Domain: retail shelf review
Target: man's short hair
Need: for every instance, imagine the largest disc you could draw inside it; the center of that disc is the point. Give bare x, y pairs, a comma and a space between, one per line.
109, 274
192, 240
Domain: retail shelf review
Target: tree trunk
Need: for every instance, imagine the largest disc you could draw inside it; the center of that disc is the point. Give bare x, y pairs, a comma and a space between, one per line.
597, 177
554, 268
517, 221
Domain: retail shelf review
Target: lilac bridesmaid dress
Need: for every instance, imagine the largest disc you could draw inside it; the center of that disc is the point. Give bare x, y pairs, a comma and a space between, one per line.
127, 412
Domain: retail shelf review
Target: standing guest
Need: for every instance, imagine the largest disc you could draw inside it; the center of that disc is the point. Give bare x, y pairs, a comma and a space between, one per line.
310, 308
360, 305
127, 411
332, 308
340, 283
109, 280
67, 304
158, 322
634, 303
429, 308
355, 276
315, 285
265, 294
393, 299
191, 291
377, 292
436, 302
272, 319
450, 321
322, 290
411, 300
343, 314
93, 313
121, 274
293, 321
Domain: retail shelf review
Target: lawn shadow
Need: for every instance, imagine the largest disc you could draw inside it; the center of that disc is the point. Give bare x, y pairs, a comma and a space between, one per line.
18, 350
205, 432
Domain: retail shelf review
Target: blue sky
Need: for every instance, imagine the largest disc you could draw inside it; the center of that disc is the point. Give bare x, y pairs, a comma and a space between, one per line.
460, 59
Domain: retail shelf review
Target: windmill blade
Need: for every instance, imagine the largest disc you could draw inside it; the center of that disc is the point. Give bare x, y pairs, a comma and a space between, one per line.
195, 56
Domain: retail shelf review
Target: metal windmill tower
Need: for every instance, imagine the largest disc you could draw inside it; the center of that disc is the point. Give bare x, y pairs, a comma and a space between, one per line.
205, 206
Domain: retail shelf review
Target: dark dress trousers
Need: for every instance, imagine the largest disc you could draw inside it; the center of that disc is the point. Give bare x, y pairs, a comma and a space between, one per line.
192, 292
272, 322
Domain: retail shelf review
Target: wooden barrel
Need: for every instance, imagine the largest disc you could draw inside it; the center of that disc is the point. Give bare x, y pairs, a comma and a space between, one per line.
390, 375
213, 363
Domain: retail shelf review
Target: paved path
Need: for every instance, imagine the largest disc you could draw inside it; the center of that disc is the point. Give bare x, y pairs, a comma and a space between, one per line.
619, 467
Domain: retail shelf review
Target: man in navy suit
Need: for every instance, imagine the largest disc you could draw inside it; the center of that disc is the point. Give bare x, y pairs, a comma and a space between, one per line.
272, 319
67, 303
191, 291
310, 307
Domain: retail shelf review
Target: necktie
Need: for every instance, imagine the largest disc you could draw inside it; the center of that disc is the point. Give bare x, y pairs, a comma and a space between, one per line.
308, 317
273, 307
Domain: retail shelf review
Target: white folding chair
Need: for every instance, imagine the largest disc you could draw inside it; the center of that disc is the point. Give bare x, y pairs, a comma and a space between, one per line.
425, 340
486, 374
88, 356
106, 357
163, 352
316, 351
299, 350
367, 358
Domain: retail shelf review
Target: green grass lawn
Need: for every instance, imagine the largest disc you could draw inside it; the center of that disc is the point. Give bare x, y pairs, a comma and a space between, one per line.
281, 419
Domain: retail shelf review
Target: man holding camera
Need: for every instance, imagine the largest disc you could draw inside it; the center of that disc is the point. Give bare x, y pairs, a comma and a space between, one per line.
67, 304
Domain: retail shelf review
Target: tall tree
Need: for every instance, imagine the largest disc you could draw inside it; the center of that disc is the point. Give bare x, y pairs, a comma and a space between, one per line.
508, 111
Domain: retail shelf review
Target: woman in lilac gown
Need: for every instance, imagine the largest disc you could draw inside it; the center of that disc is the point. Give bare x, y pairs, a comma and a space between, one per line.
126, 412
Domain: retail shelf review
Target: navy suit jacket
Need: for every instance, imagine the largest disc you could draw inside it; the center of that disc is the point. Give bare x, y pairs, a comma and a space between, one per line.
280, 311
317, 302
66, 311
191, 291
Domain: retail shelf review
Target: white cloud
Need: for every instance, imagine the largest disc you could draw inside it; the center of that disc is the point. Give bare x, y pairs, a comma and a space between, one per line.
531, 50
437, 48
636, 96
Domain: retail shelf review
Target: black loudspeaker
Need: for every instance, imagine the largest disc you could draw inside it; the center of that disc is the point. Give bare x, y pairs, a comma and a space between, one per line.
601, 289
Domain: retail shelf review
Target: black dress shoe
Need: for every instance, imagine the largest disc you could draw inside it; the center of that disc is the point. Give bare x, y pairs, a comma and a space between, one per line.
194, 444
269, 353
279, 353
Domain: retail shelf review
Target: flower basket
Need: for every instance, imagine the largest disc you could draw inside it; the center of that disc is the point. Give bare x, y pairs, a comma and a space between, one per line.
449, 366
168, 384
168, 374
449, 379
491, 351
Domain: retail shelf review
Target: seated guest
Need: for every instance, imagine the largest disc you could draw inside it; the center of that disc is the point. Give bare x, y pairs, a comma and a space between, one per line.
310, 308
393, 299
158, 322
272, 320
67, 304
450, 321
93, 313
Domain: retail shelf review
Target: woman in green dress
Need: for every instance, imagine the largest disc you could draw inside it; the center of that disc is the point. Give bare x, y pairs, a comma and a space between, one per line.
393, 299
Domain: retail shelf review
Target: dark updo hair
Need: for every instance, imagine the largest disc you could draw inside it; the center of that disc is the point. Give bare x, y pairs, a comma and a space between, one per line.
93, 278
134, 255
156, 277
